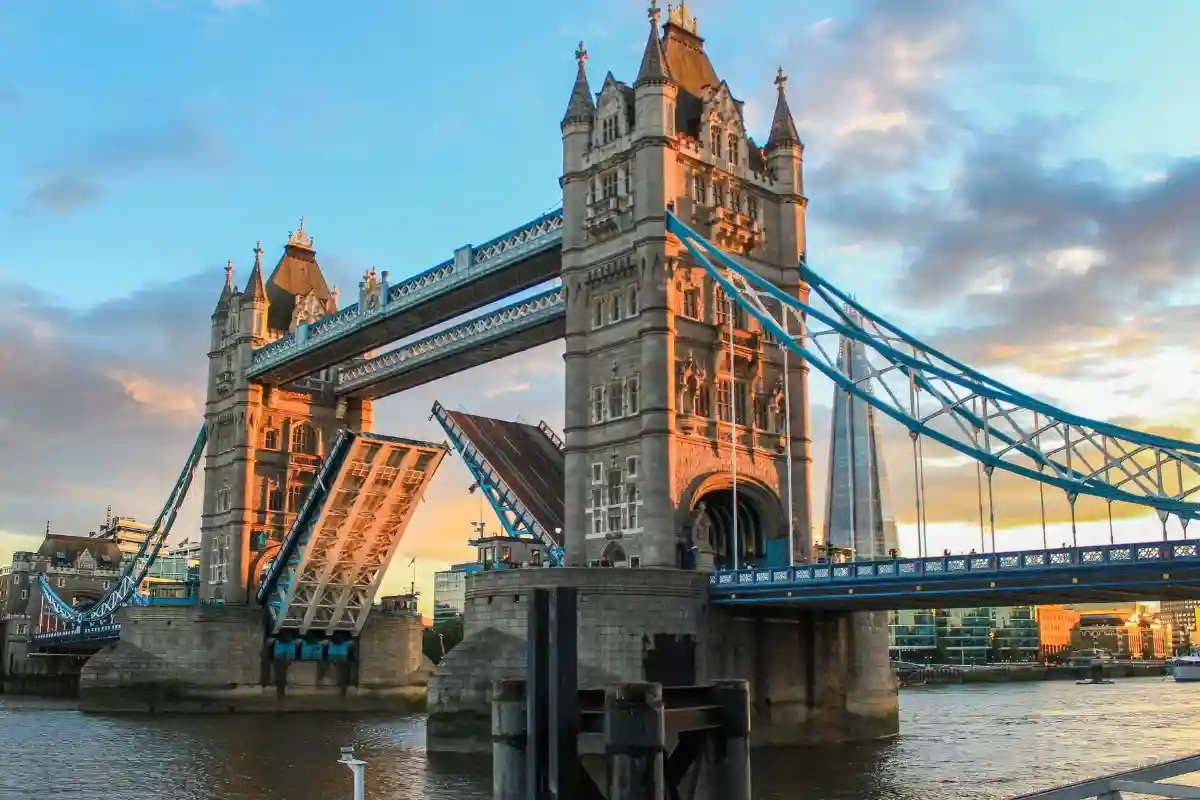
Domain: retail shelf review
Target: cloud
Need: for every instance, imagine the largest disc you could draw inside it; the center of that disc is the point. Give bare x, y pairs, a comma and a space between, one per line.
63, 188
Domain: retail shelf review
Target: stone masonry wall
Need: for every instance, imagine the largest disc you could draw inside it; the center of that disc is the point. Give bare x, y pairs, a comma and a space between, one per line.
621, 612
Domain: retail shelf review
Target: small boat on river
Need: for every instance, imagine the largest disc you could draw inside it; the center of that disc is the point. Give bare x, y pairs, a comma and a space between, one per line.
1186, 669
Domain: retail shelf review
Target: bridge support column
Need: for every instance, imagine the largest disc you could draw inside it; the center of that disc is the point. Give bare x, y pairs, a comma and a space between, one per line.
814, 678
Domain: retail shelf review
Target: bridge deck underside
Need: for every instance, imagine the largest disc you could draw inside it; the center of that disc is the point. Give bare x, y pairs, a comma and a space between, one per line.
1143, 581
401, 320
346, 544
525, 459
451, 360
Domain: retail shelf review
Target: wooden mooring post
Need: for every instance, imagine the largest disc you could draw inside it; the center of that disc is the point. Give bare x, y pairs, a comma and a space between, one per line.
658, 742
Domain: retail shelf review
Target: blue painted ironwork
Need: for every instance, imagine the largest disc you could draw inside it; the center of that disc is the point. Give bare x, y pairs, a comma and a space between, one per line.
100, 632
272, 592
530, 239
516, 519
505, 321
125, 588
926, 577
977, 416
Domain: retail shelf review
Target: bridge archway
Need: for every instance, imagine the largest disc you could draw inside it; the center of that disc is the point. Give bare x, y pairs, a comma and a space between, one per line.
708, 529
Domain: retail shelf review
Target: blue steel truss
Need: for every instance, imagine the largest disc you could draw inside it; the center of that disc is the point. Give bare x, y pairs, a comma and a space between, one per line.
950, 580
272, 592
125, 589
518, 522
978, 416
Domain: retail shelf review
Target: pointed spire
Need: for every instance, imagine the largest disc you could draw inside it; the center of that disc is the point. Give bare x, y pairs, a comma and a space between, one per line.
227, 291
581, 108
654, 67
783, 128
256, 287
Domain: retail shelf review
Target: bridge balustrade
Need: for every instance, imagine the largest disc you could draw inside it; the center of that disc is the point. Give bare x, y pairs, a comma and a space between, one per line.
942, 566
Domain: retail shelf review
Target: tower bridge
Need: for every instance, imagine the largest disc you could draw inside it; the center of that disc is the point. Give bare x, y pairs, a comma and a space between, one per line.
677, 273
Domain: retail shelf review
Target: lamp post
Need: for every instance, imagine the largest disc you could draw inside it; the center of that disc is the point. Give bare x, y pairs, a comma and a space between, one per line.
356, 766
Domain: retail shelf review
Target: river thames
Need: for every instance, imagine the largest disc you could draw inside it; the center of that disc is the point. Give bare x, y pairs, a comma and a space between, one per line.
984, 742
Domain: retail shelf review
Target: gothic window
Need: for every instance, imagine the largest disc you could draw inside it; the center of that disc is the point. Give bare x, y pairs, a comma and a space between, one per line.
752, 207
718, 193
223, 498
229, 361
615, 400
597, 473
271, 439
762, 418
608, 184
631, 506
691, 303
608, 129
597, 404
733, 148
720, 306
598, 313
741, 393
715, 141
633, 301
616, 491
598, 522
632, 400
294, 497
597, 499
735, 201
302, 438
724, 401
628, 181
699, 193
614, 554
631, 466
274, 498
739, 317
614, 308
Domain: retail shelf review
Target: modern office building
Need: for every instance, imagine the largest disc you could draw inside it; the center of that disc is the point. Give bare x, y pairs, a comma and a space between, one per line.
981, 635
450, 590
913, 635
1055, 624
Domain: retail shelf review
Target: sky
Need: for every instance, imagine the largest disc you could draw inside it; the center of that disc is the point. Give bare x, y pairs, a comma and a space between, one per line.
1015, 181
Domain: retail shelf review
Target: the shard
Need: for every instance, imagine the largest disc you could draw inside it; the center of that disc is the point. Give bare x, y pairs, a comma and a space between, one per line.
858, 512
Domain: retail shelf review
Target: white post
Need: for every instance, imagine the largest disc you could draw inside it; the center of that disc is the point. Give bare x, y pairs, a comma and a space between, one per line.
787, 430
357, 767
733, 409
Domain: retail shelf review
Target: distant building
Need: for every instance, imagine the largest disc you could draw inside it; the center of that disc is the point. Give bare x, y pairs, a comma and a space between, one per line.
505, 552
1135, 637
80, 569
450, 591
1184, 618
983, 635
913, 635
128, 533
1055, 625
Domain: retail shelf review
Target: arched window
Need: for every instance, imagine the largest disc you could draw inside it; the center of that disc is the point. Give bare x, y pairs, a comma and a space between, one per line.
733, 148
715, 141
302, 438
614, 554
633, 308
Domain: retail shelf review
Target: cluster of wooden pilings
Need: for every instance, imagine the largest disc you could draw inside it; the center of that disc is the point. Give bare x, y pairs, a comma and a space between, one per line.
647, 741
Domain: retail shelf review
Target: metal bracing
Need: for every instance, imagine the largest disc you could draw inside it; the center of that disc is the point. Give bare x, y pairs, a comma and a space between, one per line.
333, 560
125, 588
527, 240
978, 416
554, 438
516, 519
472, 333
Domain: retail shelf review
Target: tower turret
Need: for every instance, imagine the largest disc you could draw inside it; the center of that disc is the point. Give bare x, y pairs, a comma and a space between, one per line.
785, 162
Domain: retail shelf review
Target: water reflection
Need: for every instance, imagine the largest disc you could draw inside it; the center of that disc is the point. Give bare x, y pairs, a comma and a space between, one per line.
981, 742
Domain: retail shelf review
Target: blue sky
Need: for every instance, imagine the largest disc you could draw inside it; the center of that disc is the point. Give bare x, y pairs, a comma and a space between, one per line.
144, 142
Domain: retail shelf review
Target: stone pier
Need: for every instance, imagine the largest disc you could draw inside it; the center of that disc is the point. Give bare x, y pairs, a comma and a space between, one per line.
815, 678
215, 659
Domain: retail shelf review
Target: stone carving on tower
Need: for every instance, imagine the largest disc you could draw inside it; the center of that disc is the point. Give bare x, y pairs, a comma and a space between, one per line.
653, 408
858, 511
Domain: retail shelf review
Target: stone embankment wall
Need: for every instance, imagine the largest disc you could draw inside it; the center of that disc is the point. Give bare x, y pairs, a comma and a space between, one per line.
213, 659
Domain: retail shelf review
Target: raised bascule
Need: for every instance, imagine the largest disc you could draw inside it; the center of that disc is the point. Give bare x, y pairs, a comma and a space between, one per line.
678, 275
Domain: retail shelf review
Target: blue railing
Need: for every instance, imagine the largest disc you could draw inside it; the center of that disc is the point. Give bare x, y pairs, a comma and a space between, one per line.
754, 579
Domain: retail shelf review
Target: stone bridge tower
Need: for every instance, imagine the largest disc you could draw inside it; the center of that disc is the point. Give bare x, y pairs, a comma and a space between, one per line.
264, 444
654, 398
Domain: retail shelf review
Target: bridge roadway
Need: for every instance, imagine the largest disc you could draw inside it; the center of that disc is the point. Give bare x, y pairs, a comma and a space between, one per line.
1088, 573
476, 276
525, 459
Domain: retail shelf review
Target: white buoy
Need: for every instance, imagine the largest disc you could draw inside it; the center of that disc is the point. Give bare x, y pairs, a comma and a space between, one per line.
356, 766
